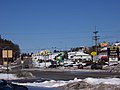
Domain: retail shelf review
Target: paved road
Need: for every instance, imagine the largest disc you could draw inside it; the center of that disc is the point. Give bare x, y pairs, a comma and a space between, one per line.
66, 75
40, 88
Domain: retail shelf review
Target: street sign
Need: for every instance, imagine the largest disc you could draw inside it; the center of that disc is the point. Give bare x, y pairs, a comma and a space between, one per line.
93, 53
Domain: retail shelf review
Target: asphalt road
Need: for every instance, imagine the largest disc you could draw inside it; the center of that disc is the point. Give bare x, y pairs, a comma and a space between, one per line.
40, 76
40, 88
68, 75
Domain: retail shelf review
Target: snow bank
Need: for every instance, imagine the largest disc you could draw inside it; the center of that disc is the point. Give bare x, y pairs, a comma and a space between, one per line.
53, 83
92, 81
8, 76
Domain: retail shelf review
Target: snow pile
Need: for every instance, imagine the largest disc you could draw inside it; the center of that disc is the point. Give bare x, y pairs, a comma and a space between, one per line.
25, 75
93, 84
8, 76
94, 81
115, 68
51, 83
91, 81
76, 84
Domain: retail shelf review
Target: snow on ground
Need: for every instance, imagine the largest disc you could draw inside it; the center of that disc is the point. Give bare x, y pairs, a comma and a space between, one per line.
8, 76
93, 81
53, 83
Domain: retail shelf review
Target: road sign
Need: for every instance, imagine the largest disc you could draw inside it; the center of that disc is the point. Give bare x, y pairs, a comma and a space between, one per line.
93, 53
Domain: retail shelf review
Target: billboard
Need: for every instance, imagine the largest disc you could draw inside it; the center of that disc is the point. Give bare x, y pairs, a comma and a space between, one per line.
104, 44
7, 53
113, 55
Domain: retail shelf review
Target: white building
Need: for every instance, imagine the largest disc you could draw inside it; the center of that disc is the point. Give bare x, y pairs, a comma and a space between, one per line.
78, 55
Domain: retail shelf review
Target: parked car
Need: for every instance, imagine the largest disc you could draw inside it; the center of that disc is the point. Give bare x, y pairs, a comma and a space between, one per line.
96, 66
80, 66
68, 65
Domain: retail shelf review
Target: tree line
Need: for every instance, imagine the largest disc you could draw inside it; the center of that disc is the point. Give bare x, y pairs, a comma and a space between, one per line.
9, 45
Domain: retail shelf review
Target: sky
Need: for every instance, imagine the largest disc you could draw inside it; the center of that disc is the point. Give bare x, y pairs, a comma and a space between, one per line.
58, 24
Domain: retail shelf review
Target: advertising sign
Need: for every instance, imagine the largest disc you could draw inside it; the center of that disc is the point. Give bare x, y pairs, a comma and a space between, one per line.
10, 54
4, 53
7, 53
113, 54
104, 44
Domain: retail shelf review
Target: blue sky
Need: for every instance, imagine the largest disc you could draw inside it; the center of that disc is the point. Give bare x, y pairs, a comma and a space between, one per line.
42, 24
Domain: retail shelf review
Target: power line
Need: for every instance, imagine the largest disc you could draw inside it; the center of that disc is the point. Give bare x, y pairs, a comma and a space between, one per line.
37, 33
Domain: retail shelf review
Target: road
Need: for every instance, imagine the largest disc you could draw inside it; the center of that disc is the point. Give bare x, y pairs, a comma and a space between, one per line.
43, 75
68, 75
40, 88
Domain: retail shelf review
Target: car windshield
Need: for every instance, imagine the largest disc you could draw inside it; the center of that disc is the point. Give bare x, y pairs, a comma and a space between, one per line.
60, 44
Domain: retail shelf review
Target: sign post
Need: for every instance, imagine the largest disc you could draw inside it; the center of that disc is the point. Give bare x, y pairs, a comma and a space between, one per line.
93, 53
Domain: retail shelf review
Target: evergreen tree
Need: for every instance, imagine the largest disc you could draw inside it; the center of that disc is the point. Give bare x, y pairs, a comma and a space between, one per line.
9, 45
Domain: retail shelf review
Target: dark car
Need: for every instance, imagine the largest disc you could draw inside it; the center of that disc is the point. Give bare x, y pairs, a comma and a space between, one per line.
4, 85
80, 66
96, 66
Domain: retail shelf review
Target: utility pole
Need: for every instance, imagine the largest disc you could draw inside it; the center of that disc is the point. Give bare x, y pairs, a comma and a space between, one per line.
0, 37
96, 38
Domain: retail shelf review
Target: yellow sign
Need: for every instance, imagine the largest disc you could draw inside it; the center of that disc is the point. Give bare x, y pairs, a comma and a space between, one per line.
45, 52
93, 53
4, 54
7, 54
5, 62
10, 54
